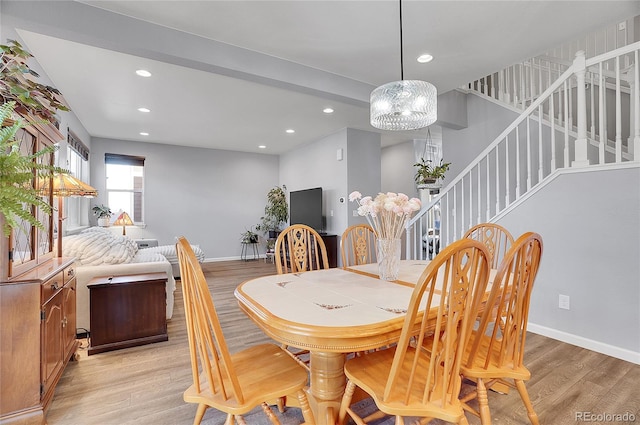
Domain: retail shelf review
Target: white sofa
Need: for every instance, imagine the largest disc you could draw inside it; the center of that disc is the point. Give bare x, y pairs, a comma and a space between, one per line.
99, 252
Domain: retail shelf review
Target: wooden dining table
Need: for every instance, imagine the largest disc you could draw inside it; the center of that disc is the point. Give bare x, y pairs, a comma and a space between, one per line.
331, 313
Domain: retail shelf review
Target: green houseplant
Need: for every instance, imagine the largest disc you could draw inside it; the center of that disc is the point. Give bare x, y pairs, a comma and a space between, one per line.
249, 236
39, 100
427, 173
17, 171
276, 211
103, 213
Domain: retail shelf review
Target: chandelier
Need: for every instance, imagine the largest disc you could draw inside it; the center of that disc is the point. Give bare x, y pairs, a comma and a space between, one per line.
404, 104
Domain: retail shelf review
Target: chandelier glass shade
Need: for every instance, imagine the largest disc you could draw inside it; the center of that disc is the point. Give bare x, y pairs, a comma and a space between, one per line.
404, 105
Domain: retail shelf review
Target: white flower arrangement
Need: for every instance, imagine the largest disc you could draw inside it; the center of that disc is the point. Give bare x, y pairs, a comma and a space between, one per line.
388, 213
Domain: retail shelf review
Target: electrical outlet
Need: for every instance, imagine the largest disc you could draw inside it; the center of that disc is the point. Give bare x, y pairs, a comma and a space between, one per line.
355, 213
622, 26
563, 302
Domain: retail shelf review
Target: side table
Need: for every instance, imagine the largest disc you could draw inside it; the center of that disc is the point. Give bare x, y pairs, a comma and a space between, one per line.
249, 253
126, 311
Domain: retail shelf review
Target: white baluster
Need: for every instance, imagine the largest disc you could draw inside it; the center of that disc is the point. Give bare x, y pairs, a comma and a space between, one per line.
506, 173
618, 113
518, 192
552, 119
540, 163
479, 193
636, 110
601, 108
566, 127
497, 180
529, 167
581, 155
488, 186
593, 107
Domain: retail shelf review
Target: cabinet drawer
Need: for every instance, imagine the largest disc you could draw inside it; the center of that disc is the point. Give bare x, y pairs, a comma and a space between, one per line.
52, 286
69, 273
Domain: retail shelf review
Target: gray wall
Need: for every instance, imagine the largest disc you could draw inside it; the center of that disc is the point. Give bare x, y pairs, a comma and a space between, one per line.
316, 165
209, 196
590, 225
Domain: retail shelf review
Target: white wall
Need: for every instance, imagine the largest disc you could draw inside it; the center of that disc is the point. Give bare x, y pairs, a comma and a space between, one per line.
209, 196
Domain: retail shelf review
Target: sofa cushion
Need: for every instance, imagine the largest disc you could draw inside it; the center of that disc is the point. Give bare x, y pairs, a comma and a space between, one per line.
97, 246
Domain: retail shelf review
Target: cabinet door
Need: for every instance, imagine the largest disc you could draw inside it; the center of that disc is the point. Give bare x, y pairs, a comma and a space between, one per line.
52, 340
69, 320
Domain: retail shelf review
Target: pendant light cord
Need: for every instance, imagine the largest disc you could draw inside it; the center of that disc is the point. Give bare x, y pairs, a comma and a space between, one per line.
401, 52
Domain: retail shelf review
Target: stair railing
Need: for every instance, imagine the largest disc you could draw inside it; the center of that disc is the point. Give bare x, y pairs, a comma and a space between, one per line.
538, 143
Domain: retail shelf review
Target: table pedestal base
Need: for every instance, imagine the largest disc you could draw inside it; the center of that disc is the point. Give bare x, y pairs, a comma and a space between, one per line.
327, 386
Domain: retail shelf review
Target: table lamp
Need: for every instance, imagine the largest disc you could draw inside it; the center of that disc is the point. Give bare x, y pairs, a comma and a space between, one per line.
62, 186
123, 220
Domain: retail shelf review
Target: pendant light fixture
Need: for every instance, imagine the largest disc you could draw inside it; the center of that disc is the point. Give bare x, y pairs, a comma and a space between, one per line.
404, 104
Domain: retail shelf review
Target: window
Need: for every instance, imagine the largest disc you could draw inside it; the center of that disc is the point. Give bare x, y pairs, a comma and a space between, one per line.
77, 208
125, 185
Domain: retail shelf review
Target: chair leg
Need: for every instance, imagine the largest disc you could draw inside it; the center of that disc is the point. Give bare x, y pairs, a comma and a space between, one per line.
281, 403
267, 411
307, 413
199, 413
483, 403
524, 395
346, 402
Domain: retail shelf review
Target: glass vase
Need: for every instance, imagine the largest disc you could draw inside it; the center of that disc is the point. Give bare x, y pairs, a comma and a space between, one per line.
388, 256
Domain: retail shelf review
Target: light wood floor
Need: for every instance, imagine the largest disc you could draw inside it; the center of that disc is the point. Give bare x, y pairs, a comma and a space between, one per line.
144, 385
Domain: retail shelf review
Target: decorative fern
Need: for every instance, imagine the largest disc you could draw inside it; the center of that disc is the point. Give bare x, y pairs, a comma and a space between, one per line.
17, 193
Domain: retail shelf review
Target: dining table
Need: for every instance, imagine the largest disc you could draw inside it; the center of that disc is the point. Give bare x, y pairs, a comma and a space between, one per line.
331, 313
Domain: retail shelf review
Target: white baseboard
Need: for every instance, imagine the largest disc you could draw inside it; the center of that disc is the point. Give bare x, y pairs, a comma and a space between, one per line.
589, 344
214, 260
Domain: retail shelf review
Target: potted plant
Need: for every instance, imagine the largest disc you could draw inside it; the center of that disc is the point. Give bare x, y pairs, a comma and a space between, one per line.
17, 191
31, 97
276, 211
429, 175
249, 236
103, 213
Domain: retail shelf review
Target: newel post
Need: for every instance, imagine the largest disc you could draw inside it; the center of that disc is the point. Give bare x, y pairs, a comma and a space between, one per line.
581, 159
634, 134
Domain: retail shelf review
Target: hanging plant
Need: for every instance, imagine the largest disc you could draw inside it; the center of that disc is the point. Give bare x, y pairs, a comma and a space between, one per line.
17, 84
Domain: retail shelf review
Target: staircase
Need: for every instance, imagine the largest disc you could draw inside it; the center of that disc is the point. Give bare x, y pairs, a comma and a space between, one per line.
573, 115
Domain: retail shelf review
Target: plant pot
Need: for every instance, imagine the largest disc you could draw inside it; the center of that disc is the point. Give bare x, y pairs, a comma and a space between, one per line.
273, 234
103, 222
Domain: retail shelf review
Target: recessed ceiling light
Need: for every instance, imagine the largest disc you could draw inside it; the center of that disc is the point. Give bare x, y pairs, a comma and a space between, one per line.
144, 133
262, 147
143, 73
328, 110
144, 109
425, 58
291, 131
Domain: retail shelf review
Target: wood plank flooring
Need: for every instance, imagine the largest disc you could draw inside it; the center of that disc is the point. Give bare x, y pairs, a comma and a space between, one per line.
144, 385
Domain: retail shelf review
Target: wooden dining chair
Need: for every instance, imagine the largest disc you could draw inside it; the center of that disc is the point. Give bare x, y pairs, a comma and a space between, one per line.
495, 354
497, 239
299, 248
414, 378
233, 383
358, 245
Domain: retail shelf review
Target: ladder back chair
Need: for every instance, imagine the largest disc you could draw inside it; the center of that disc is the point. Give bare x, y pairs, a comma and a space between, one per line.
299, 248
497, 239
420, 375
496, 353
232, 383
358, 245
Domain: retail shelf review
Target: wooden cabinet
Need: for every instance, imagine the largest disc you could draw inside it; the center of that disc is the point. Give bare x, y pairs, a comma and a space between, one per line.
37, 338
127, 311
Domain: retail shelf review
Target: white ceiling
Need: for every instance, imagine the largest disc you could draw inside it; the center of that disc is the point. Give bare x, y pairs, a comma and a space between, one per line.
236, 74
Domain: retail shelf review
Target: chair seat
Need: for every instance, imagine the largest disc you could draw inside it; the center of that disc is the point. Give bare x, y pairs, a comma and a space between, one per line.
370, 373
493, 368
265, 372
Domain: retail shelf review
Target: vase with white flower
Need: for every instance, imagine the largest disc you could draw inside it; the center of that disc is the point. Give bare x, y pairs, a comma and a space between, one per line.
388, 214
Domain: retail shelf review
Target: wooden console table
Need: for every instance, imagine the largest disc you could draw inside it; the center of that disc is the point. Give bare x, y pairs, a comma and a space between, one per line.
126, 311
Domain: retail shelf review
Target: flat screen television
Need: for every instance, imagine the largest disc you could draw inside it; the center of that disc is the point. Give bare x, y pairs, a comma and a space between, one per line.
305, 207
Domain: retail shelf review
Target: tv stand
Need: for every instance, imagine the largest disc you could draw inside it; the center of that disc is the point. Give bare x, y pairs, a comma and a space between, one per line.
331, 243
